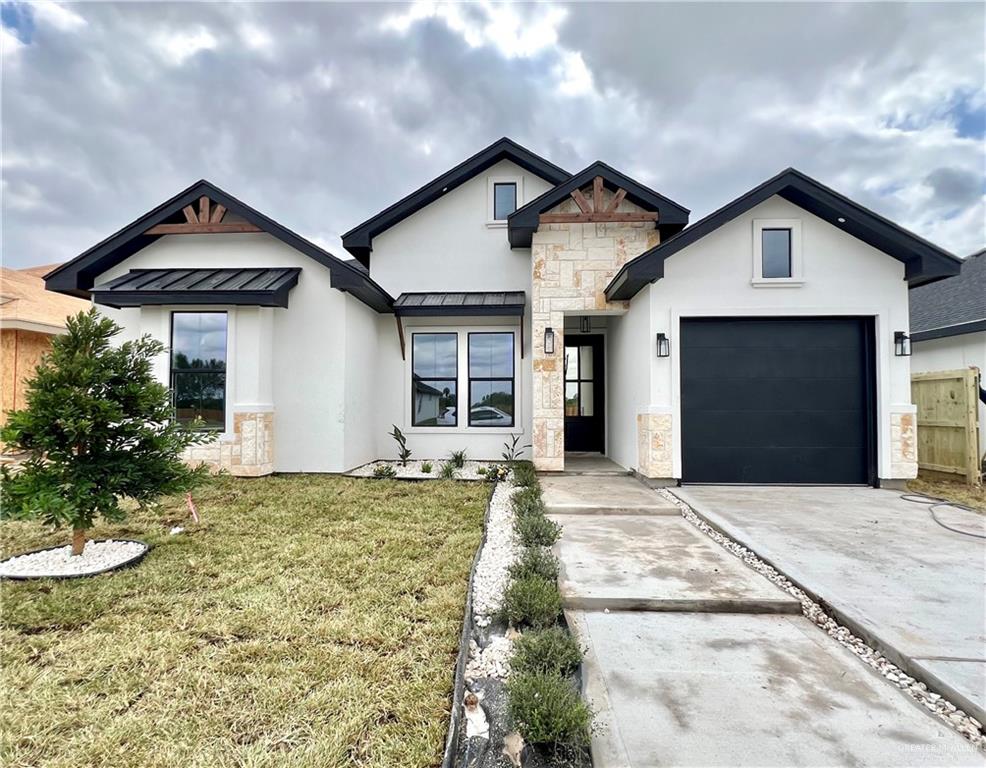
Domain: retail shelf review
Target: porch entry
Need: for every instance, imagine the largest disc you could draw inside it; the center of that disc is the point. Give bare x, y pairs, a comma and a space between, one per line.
584, 396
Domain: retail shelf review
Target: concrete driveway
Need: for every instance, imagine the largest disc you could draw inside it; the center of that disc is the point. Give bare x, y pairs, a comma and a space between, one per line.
887, 571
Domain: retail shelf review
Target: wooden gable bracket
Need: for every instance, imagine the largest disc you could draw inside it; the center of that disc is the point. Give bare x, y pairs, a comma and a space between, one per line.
208, 220
596, 211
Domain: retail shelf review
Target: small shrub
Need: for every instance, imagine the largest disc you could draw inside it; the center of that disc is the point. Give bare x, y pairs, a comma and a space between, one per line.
512, 451
527, 501
533, 601
525, 476
426, 467
496, 472
535, 561
457, 459
547, 709
549, 651
384, 470
403, 452
536, 530
480, 470
448, 471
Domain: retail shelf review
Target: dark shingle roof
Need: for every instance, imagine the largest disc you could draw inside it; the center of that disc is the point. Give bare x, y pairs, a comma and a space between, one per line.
947, 307
476, 303
261, 286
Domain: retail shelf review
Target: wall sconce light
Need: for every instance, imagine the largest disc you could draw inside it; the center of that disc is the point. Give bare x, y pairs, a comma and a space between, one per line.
549, 341
902, 344
663, 345
586, 324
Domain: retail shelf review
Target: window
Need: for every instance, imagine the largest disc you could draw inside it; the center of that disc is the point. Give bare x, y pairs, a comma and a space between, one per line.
579, 381
491, 379
198, 367
434, 376
777, 259
504, 200
776, 253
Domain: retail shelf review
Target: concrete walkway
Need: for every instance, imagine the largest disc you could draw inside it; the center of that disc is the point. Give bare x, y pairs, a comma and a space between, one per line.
705, 669
909, 587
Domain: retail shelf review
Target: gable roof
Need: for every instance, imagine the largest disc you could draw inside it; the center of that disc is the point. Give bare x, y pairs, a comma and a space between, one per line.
359, 240
76, 277
924, 262
523, 222
25, 304
951, 307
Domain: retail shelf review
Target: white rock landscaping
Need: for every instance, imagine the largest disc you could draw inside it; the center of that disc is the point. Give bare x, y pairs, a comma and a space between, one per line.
499, 552
413, 470
58, 562
968, 726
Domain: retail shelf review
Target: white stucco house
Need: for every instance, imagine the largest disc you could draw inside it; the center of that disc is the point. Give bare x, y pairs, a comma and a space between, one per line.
509, 296
948, 325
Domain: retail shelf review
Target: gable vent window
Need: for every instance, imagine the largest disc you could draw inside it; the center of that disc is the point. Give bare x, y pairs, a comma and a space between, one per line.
504, 200
776, 253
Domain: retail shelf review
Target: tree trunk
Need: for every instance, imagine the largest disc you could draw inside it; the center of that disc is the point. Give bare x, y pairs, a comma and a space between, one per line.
78, 540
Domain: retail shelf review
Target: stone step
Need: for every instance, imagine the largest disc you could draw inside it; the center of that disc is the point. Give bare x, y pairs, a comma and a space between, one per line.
602, 495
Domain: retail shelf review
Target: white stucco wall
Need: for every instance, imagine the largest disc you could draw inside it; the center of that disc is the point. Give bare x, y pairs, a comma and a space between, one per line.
630, 356
950, 354
295, 362
713, 277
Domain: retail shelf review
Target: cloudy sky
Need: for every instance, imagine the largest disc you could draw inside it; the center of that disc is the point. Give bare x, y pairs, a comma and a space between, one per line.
322, 114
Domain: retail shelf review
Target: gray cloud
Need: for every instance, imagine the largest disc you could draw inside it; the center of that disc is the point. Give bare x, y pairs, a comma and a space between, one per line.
322, 114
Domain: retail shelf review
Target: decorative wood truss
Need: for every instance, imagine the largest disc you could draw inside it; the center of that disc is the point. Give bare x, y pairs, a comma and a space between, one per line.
596, 211
208, 220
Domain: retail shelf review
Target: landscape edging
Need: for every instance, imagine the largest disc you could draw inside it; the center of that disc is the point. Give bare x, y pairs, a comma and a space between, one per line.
119, 566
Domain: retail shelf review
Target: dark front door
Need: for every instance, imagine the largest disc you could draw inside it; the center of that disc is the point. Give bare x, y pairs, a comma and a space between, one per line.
584, 427
786, 400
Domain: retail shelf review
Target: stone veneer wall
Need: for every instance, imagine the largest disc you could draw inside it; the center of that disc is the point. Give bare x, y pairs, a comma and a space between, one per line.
655, 445
903, 445
571, 266
250, 451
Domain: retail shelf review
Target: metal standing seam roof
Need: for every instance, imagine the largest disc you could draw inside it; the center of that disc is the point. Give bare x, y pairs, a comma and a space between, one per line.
258, 286
461, 303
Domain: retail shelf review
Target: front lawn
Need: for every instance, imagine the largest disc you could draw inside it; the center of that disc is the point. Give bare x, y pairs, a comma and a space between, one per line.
306, 621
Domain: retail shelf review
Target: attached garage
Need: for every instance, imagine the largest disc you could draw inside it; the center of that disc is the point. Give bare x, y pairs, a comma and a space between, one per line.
778, 400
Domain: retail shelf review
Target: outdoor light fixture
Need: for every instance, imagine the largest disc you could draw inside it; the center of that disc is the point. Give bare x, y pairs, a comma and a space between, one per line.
549, 341
902, 344
586, 324
663, 345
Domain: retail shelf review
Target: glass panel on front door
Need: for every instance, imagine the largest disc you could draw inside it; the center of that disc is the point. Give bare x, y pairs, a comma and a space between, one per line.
579, 390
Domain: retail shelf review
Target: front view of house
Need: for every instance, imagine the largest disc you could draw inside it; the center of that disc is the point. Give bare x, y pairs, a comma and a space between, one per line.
765, 343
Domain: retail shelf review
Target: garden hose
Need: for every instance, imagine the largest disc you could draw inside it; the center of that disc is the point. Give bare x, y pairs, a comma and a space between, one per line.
935, 501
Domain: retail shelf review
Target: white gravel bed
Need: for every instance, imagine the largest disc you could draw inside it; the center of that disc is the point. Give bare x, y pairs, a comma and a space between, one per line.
968, 726
413, 470
491, 661
97, 556
499, 552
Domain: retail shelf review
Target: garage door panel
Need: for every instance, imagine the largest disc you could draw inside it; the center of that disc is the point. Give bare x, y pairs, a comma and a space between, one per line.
775, 400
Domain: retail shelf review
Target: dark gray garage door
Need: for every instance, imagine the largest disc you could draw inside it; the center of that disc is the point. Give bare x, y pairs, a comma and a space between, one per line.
785, 400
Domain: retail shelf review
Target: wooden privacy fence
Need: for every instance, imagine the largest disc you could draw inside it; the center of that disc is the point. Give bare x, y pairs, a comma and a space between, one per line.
947, 420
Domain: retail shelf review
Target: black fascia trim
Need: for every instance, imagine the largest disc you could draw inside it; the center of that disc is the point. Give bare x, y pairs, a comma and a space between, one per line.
516, 310
924, 262
959, 329
523, 222
77, 276
359, 240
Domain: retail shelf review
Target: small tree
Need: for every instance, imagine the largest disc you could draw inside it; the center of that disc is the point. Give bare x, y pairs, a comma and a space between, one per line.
98, 428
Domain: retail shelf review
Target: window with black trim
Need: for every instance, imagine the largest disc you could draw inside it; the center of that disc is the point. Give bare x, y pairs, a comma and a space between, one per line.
434, 379
491, 379
775, 253
198, 368
504, 199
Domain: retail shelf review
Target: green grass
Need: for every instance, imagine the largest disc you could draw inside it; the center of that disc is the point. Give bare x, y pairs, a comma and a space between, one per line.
307, 620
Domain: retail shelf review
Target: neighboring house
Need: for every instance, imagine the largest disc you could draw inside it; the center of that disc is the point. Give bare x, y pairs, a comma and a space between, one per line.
509, 296
948, 323
29, 317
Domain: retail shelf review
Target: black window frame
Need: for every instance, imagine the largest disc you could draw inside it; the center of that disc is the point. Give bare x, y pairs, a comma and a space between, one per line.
516, 198
512, 379
790, 253
425, 380
172, 371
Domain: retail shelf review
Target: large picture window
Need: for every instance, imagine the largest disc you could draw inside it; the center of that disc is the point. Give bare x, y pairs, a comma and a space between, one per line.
491, 379
434, 379
198, 367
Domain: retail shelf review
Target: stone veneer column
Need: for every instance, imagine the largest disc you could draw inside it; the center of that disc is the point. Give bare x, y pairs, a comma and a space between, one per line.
654, 445
903, 444
249, 452
571, 265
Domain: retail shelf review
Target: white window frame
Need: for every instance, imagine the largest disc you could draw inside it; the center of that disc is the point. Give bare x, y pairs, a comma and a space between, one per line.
491, 181
797, 264
462, 381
